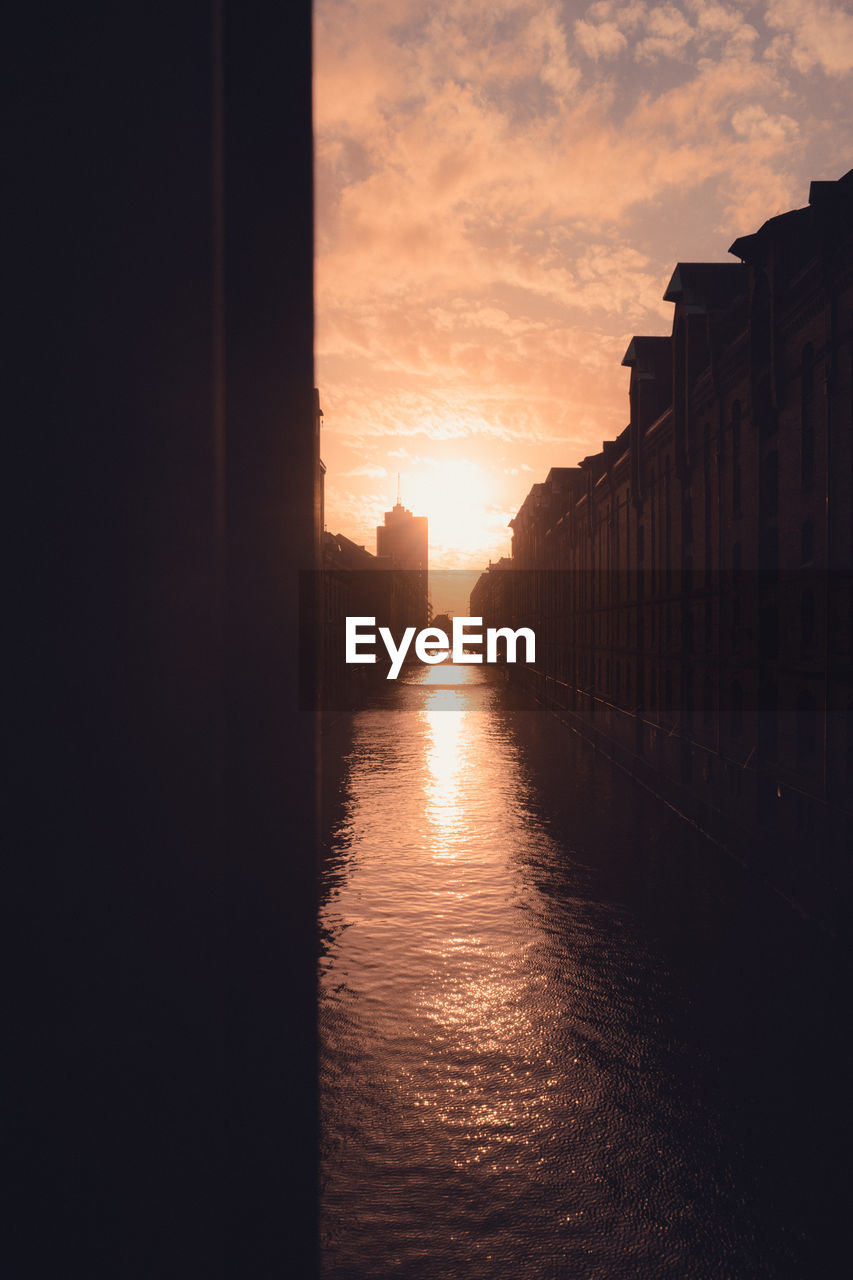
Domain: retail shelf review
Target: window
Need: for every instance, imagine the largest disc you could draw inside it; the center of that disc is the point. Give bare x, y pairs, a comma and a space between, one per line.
768, 645
707, 702
770, 483
706, 505
687, 698
653, 531
806, 727
760, 333
737, 625
768, 723
807, 417
807, 622
768, 551
736, 474
737, 710
807, 543
641, 551
765, 416
667, 527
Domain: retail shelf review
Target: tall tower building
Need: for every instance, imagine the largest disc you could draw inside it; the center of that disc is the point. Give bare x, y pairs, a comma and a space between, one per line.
404, 540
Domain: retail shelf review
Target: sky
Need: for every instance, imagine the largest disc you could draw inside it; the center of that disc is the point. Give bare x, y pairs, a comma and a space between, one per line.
503, 188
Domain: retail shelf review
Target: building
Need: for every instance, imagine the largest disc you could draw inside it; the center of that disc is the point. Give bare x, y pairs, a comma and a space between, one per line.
690, 585
355, 583
319, 483
403, 539
492, 594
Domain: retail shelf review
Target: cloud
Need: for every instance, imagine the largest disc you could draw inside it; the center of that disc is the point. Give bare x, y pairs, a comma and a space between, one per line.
546, 41
624, 15
369, 472
604, 40
669, 34
356, 511
664, 30
630, 15
754, 123
601, 33
813, 33
462, 190
503, 187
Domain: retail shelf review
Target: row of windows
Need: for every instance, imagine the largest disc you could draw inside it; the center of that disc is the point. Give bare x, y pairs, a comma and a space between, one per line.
769, 471
766, 421
597, 672
623, 629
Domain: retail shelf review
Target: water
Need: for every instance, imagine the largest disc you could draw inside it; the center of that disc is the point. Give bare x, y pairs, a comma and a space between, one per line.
561, 1035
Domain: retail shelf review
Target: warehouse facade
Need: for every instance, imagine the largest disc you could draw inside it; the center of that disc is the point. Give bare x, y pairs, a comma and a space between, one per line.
690, 586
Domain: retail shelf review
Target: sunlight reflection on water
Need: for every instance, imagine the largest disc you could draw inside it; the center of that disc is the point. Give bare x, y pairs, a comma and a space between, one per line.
499, 1068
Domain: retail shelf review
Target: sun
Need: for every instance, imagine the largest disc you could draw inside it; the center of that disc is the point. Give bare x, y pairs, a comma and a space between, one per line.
457, 497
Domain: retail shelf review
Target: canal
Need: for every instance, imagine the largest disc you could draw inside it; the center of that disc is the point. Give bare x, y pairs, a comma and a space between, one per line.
561, 1034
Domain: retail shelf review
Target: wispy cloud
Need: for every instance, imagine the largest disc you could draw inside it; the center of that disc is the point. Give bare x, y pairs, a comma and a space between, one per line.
812, 33
503, 187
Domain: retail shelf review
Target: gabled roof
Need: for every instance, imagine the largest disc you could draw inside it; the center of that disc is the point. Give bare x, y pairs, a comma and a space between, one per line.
348, 554
562, 477
752, 248
705, 285
821, 192
832, 201
648, 355
531, 500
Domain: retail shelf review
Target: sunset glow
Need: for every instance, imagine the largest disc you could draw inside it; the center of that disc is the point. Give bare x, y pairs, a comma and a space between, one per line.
503, 189
459, 497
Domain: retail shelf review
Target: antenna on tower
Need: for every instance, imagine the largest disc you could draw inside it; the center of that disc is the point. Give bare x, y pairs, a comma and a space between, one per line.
398, 488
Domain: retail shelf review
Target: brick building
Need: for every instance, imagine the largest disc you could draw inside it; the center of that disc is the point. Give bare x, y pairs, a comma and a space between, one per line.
492, 593
690, 585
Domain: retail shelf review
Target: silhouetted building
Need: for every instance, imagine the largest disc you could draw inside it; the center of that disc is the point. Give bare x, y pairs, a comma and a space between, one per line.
404, 540
355, 584
319, 482
492, 594
690, 586
390, 587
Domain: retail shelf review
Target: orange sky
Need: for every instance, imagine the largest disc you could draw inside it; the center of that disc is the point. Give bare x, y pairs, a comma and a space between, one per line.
503, 189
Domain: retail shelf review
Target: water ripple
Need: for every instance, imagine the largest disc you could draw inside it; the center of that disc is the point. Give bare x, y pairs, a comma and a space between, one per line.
503, 1072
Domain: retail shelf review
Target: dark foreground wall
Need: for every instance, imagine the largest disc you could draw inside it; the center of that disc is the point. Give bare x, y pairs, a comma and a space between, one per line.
159, 401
